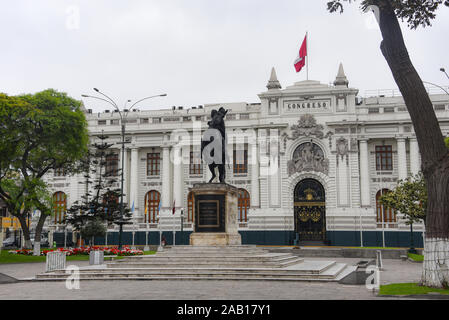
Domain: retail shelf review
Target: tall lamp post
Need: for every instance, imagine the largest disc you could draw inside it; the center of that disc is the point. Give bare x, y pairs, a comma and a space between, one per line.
444, 71
123, 117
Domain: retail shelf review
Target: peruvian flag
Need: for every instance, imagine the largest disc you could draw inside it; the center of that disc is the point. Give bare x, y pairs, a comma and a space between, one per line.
300, 61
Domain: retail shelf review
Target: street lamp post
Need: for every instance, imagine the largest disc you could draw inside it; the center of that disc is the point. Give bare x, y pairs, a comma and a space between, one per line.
123, 117
444, 71
182, 226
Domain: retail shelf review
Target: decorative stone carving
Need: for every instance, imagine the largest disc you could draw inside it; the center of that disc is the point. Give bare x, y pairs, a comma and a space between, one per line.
342, 147
307, 126
308, 157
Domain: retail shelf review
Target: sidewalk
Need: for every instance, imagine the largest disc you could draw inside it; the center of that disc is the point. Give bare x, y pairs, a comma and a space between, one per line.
395, 271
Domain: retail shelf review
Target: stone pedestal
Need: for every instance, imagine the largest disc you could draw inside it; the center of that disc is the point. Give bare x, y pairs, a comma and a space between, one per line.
215, 215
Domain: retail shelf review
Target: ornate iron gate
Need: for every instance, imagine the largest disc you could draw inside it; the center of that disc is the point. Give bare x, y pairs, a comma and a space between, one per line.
310, 211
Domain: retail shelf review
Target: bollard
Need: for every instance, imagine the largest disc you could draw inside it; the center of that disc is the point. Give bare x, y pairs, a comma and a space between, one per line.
379, 263
55, 261
96, 257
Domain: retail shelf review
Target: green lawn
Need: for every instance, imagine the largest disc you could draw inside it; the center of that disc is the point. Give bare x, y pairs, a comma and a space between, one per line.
416, 257
408, 289
6, 257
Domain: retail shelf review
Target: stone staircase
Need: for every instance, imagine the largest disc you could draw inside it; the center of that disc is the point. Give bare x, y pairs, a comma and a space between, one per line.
211, 263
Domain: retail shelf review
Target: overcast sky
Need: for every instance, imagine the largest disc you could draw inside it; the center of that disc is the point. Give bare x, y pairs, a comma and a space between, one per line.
197, 51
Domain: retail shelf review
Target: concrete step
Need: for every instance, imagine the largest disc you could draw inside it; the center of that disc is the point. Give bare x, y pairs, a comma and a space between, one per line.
207, 257
188, 278
199, 264
210, 274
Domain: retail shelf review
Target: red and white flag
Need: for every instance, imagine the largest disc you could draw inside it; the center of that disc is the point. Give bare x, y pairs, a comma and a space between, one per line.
174, 207
300, 61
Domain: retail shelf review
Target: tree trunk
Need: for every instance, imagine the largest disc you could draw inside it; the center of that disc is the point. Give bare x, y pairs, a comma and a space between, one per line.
26, 231
434, 154
38, 234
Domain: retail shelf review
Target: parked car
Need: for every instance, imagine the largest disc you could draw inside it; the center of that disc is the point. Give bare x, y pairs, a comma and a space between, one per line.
11, 242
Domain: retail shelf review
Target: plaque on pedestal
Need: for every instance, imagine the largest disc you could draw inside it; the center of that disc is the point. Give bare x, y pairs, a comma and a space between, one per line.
215, 215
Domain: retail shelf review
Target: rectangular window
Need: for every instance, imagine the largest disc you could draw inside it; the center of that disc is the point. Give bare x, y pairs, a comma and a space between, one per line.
101, 122
156, 120
384, 158
195, 166
240, 158
112, 165
244, 116
144, 121
115, 122
153, 164
59, 172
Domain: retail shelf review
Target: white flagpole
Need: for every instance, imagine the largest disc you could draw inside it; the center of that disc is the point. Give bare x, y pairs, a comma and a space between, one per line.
307, 56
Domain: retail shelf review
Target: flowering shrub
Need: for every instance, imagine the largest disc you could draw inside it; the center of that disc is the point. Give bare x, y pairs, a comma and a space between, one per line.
84, 251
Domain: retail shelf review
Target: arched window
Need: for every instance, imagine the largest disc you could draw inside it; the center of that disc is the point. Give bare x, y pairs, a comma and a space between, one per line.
152, 200
111, 202
59, 206
243, 205
190, 207
384, 215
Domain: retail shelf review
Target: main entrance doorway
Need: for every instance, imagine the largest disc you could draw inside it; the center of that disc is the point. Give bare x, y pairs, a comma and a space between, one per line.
310, 211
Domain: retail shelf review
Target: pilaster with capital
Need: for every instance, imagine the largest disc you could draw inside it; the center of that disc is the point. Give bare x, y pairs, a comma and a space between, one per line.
255, 188
134, 181
415, 161
402, 159
365, 196
166, 177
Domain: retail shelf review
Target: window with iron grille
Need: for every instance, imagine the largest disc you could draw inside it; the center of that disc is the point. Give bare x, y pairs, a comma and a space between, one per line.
59, 206
60, 172
112, 165
384, 215
152, 200
153, 164
243, 205
240, 158
384, 158
190, 201
195, 166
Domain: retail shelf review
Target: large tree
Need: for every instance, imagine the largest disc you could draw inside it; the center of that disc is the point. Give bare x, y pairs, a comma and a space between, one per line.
40, 132
434, 154
100, 203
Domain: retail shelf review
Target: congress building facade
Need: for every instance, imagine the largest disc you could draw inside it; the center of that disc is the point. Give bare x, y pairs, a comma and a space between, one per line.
310, 161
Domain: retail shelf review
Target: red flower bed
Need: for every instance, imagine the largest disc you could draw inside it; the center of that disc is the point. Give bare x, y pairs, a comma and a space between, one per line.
85, 251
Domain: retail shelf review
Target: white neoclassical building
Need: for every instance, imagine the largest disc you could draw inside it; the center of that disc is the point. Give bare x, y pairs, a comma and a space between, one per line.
310, 161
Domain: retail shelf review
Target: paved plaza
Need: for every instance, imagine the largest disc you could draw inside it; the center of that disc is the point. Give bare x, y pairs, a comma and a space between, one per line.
395, 271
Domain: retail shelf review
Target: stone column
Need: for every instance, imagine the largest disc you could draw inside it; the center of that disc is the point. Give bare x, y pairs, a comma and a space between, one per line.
255, 175
178, 181
365, 196
166, 178
402, 159
134, 181
415, 162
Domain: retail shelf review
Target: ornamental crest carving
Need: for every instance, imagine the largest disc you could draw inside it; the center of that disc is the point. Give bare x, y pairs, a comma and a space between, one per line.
342, 147
307, 126
308, 157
